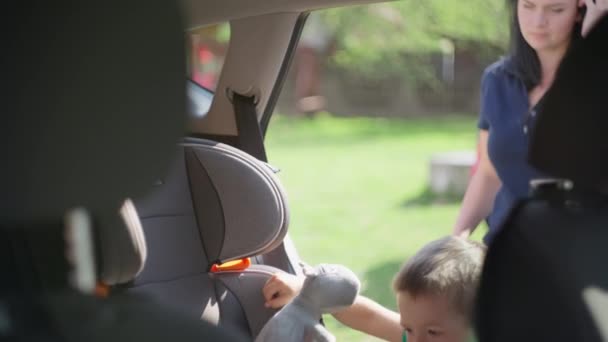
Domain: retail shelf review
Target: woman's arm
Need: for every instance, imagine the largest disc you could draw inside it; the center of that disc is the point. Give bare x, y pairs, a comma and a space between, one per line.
479, 197
371, 318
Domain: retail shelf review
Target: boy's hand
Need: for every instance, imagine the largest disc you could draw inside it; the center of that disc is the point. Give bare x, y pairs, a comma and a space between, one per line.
280, 289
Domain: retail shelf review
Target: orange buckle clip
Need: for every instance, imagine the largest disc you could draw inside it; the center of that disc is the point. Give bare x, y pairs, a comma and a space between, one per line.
102, 290
235, 265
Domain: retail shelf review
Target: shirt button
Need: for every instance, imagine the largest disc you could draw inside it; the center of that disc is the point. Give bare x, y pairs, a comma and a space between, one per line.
525, 129
533, 112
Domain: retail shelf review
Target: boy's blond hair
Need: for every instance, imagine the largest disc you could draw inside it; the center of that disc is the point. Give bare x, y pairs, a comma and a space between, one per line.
450, 266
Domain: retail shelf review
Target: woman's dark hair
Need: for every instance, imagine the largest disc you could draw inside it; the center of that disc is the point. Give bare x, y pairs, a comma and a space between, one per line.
523, 56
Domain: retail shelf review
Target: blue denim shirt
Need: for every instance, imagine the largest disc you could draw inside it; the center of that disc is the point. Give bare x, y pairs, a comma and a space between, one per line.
506, 114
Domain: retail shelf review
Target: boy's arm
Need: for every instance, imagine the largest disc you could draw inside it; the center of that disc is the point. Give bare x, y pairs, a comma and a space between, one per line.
364, 314
372, 318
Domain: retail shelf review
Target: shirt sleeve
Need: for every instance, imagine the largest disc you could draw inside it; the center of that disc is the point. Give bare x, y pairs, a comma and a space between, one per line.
487, 103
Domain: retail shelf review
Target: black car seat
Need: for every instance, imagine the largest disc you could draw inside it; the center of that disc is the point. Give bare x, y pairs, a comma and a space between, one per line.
216, 205
85, 89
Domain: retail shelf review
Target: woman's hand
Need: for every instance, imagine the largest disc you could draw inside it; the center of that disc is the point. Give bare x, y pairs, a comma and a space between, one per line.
596, 10
465, 234
280, 289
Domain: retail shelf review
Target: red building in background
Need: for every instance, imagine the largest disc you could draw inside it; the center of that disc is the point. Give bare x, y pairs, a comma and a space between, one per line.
206, 56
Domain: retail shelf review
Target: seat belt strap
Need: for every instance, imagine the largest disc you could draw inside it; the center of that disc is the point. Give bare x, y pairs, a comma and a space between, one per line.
250, 137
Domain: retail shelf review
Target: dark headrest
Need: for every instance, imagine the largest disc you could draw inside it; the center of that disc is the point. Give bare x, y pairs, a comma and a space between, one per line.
94, 103
543, 277
570, 139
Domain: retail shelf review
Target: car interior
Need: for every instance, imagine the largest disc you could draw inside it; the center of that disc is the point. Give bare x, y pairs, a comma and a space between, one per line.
136, 205
217, 204
208, 222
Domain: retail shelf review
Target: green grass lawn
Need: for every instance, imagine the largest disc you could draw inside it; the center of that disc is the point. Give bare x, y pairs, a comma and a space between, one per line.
358, 194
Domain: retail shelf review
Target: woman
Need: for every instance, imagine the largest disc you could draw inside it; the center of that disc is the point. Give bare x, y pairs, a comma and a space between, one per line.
511, 90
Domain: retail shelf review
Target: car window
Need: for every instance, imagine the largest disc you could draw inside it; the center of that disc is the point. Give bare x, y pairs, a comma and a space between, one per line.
375, 131
206, 51
199, 99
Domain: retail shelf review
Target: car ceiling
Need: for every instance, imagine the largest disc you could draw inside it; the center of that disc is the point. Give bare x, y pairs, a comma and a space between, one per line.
206, 12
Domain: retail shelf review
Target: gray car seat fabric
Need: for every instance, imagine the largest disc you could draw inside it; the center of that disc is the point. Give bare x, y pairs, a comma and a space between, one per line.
217, 204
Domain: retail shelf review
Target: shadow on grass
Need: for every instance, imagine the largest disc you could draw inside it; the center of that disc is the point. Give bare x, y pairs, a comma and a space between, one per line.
378, 283
426, 197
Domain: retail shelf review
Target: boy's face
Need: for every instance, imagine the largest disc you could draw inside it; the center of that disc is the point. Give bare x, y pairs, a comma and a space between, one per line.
431, 318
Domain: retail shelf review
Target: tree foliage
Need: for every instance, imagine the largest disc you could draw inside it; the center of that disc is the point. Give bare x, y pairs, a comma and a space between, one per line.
399, 36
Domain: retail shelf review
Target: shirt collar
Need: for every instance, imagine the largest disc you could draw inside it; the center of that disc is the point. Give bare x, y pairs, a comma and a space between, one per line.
508, 65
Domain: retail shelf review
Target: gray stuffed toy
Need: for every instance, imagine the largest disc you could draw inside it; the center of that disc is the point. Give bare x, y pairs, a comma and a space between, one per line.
326, 289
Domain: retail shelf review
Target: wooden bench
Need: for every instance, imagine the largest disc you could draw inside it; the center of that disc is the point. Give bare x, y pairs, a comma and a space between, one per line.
450, 172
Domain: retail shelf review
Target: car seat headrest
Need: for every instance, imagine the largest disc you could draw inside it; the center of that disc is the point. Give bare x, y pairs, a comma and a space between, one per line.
217, 204
93, 106
249, 196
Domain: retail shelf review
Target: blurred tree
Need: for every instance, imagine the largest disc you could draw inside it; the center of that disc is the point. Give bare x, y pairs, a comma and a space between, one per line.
399, 37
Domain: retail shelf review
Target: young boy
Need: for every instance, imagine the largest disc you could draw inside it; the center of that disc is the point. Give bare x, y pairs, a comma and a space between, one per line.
435, 294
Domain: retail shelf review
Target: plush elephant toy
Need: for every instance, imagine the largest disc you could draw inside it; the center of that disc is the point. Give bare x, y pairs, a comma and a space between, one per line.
326, 289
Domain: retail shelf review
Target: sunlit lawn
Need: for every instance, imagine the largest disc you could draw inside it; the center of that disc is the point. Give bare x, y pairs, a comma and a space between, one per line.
357, 191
